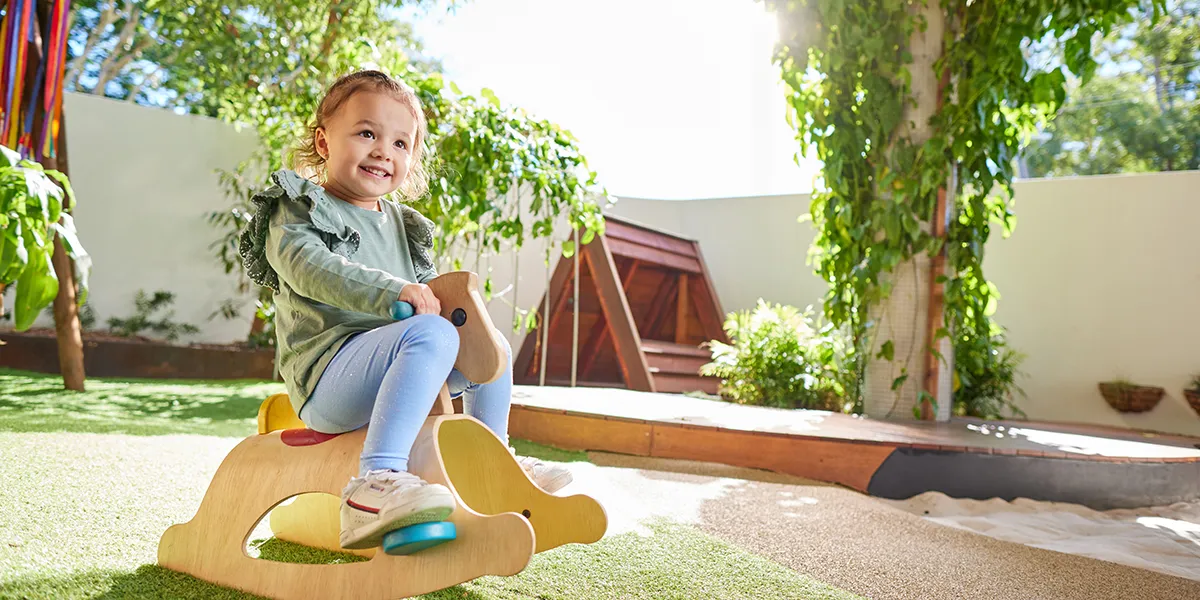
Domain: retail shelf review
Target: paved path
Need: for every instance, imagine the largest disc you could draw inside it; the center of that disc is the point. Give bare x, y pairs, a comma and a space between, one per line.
860, 544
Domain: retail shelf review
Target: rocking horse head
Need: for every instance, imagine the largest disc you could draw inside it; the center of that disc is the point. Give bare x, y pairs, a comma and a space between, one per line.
481, 354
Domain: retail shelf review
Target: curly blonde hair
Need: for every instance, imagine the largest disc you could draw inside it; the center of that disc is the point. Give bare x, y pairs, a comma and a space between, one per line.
309, 163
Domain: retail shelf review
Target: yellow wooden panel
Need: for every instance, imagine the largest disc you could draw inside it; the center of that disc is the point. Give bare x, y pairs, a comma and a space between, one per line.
275, 414
486, 476
312, 520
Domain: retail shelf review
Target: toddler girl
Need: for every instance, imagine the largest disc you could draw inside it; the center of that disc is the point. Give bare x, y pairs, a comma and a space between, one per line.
338, 250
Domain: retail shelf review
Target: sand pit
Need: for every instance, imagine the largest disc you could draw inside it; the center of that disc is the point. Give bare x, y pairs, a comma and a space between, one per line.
1164, 538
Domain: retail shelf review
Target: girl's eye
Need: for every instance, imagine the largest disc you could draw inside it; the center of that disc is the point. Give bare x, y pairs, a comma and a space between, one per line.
367, 134
401, 144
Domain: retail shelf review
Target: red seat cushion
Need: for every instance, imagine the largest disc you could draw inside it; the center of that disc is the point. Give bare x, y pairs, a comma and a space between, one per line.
305, 437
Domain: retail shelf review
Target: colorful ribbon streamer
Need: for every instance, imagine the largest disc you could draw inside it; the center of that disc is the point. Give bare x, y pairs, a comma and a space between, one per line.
18, 30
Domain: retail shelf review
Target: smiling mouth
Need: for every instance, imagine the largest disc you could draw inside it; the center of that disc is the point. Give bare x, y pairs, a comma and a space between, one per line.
379, 173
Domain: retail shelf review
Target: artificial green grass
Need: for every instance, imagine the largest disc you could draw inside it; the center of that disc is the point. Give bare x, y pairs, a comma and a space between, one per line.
37, 402
678, 562
81, 513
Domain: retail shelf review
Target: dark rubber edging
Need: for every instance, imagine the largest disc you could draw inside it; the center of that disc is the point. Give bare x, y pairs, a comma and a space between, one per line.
118, 358
1099, 485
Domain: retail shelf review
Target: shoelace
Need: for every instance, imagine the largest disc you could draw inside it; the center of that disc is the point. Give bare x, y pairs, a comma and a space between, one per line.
401, 479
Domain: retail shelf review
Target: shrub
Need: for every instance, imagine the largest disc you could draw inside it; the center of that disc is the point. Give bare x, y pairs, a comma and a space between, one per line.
779, 357
985, 378
141, 319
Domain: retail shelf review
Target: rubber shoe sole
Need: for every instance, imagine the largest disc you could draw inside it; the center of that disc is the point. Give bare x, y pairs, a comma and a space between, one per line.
431, 509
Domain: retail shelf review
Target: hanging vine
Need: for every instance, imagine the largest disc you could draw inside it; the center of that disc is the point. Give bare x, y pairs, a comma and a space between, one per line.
846, 66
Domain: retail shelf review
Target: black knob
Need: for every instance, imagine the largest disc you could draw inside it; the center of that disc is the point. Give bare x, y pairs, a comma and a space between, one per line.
458, 317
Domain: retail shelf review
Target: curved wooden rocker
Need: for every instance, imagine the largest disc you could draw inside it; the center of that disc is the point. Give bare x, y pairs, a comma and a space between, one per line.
501, 517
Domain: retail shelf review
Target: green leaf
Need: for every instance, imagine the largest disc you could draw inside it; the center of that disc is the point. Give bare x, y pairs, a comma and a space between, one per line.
47, 195
8, 157
887, 351
13, 255
924, 396
1077, 52
490, 96
992, 304
81, 259
36, 288
66, 186
568, 249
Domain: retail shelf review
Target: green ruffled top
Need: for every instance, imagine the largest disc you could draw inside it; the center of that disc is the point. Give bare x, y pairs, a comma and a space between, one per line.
335, 269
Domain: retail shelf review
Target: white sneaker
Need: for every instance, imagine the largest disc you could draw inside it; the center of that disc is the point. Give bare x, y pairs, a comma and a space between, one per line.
548, 476
384, 501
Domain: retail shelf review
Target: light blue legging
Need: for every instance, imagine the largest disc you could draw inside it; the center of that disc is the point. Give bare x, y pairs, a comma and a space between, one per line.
388, 378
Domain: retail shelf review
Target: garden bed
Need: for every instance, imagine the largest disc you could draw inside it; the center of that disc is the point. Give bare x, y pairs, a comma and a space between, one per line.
107, 355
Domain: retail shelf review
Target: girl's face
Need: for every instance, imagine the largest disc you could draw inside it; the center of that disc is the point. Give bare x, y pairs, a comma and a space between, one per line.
367, 147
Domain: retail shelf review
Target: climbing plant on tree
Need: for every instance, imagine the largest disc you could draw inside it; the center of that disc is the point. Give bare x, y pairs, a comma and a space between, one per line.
848, 70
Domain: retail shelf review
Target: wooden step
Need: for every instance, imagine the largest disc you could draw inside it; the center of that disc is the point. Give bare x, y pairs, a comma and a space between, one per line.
679, 365
676, 367
669, 383
669, 358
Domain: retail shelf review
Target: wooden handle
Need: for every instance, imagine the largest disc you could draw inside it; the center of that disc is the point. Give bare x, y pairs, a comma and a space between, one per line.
481, 354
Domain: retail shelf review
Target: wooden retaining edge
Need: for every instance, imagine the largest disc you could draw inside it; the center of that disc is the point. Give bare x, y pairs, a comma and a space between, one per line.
849, 463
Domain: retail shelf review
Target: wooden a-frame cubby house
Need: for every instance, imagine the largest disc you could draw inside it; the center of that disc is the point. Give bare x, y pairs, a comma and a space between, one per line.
646, 304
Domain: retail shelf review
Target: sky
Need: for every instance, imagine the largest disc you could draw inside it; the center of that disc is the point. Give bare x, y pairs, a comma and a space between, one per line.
669, 99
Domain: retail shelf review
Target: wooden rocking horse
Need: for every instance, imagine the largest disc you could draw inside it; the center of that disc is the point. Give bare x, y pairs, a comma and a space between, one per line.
500, 521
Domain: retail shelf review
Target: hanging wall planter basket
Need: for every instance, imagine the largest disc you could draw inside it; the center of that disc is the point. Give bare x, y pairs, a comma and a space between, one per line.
1127, 397
1193, 398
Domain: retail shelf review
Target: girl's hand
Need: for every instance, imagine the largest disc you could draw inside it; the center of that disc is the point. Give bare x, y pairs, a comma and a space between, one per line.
421, 298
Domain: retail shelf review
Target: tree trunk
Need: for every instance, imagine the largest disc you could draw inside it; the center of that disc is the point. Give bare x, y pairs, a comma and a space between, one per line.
937, 384
111, 69
66, 322
77, 65
66, 307
331, 33
904, 316
122, 52
66, 312
258, 325
1159, 84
